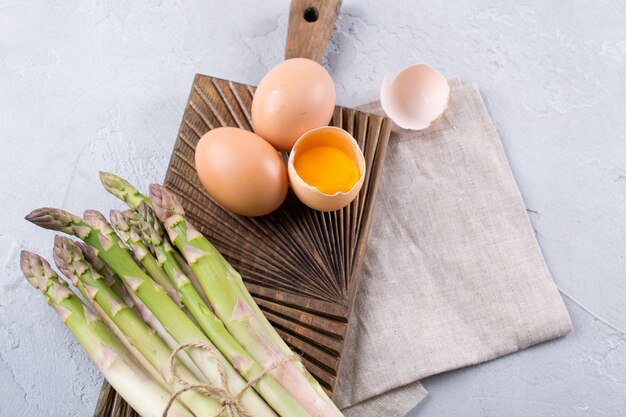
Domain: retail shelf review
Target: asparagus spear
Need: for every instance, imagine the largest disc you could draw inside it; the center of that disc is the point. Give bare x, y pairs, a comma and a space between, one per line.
102, 268
150, 319
123, 190
276, 396
131, 236
187, 270
234, 305
96, 232
150, 347
146, 396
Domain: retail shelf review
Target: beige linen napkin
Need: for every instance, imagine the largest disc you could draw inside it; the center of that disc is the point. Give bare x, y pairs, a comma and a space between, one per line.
452, 275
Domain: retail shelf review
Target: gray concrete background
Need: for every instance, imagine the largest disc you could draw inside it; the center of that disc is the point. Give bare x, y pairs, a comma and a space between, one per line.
89, 85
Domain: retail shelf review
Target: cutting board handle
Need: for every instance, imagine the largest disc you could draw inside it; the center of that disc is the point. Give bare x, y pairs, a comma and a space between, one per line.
311, 23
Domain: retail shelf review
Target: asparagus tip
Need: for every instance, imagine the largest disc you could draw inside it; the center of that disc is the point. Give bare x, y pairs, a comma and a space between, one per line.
150, 226
90, 254
51, 218
62, 241
93, 215
97, 220
118, 220
65, 252
26, 265
164, 203
31, 216
111, 182
36, 269
59, 258
132, 217
122, 189
25, 256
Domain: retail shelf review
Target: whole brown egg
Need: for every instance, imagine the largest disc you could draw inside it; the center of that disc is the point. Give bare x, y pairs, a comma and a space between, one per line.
294, 97
241, 171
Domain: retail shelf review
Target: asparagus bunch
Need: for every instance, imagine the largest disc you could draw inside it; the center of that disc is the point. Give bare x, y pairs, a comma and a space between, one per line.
128, 378
95, 231
147, 344
213, 327
234, 305
226, 293
156, 283
153, 237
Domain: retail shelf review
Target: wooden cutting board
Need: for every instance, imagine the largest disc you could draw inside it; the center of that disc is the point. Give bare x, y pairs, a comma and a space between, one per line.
300, 265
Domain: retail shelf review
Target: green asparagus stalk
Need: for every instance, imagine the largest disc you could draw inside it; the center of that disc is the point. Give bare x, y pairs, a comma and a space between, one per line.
150, 319
96, 232
150, 347
131, 236
276, 396
234, 305
142, 393
102, 268
187, 269
116, 285
123, 190
133, 302
116, 330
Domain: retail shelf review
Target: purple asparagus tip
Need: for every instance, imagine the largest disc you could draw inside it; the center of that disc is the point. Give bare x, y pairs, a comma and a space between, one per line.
58, 255
118, 220
164, 203
53, 219
36, 269
97, 220
89, 252
65, 253
27, 260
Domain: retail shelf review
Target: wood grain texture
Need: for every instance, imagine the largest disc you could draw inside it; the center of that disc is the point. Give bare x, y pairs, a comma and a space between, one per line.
311, 22
300, 265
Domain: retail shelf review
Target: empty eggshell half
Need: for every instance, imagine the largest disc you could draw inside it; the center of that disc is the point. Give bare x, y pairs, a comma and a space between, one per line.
310, 195
415, 97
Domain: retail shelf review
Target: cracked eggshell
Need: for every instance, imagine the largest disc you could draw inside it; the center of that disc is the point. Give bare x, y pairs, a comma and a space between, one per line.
416, 97
311, 196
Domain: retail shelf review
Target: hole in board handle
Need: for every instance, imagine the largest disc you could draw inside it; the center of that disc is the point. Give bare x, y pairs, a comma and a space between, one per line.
311, 14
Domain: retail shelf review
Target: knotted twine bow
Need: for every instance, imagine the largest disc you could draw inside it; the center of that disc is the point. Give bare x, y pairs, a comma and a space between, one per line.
229, 402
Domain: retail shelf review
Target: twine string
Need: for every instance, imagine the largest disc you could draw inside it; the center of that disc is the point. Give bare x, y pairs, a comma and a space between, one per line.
229, 402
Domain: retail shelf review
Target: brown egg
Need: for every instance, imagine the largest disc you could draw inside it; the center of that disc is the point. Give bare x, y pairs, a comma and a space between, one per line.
241, 171
294, 97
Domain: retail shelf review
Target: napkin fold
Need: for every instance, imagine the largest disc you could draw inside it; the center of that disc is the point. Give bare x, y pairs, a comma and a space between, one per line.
452, 275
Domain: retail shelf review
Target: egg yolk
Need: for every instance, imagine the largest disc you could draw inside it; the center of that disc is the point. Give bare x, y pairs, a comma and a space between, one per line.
328, 169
